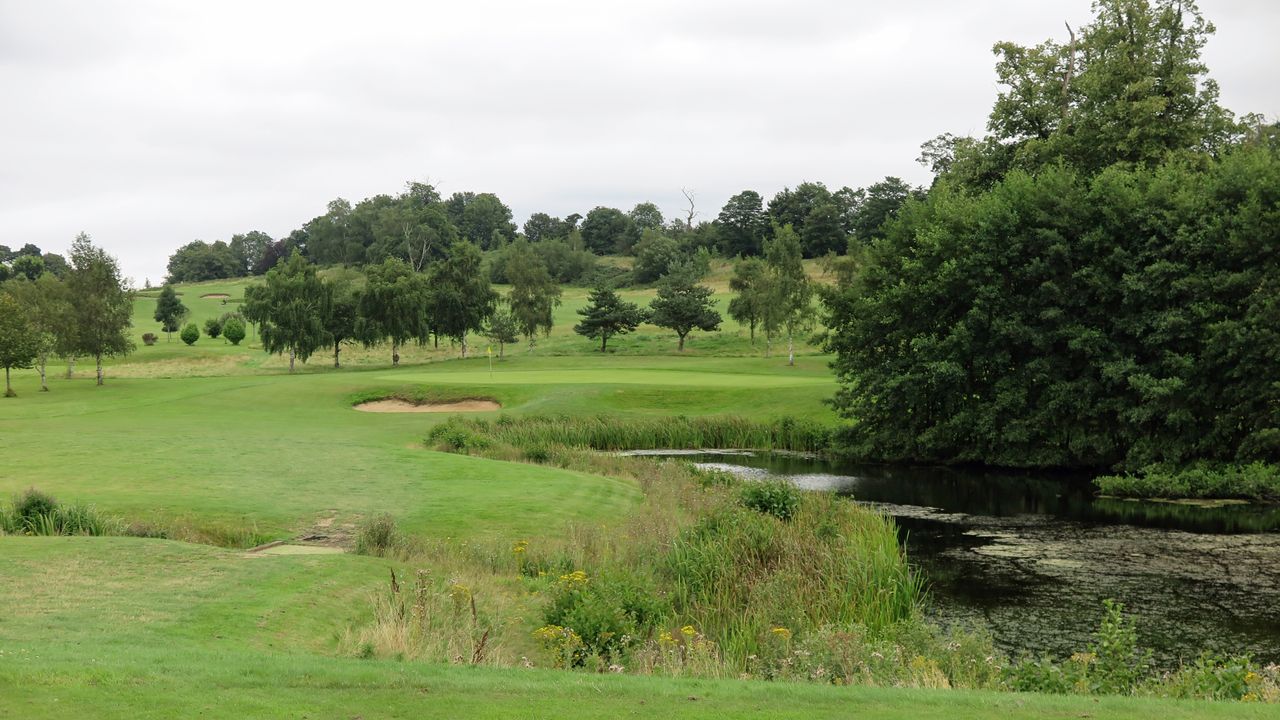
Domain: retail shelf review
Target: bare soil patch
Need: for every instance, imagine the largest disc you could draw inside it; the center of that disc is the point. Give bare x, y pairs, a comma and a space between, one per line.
404, 406
214, 296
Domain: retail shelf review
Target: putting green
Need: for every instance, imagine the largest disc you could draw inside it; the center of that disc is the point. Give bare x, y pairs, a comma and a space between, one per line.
592, 376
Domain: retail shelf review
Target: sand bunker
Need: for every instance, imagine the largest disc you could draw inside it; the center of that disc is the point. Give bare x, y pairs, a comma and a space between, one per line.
215, 296
402, 406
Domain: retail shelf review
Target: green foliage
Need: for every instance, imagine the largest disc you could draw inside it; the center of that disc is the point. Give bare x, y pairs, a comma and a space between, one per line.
149, 339
751, 305
534, 294
19, 341
102, 307
607, 315
377, 536
1254, 481
394, 306
609, 614
607, 230
1125, 324
788, 294
502, 329
461, 298
36, 513
289, 309
743, 224
190, 334
233, 330
683, 305
213, 328
341, 313
608, 432
170, 311
777, 498
198, 261
31, 504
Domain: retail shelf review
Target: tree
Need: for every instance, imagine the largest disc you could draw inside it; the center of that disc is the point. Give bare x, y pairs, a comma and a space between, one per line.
248, 250
461, 298
414, 231
823, 231
190, 334
213, 328
289, 310
19, 340
102, 305
744, 224
484, 216
541, 226
198, 260
341, 314
877, 204
233, 330
28, 266
604, 231
170, 311
502, 330
683, 305
792, 207
394, 307
789, 297
656, 254
534, 294
607, 315
751, 283
50, 313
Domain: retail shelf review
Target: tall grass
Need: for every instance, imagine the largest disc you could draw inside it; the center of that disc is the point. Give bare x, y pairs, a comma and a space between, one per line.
609, 432
702, 578
36, 513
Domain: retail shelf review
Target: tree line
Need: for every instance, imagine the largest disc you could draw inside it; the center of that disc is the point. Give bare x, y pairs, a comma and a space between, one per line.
419, 226
82, 308
1095, 283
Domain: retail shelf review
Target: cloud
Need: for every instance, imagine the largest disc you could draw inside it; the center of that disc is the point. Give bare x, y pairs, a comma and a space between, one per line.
149, 124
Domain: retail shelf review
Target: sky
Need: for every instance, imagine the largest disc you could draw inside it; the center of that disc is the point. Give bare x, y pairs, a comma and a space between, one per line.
152, 124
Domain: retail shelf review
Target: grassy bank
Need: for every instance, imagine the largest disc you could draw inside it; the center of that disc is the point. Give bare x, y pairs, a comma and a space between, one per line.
1256, 481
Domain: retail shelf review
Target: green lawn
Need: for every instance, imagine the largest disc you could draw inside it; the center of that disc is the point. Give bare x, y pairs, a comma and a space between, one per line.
133, 628
279, 452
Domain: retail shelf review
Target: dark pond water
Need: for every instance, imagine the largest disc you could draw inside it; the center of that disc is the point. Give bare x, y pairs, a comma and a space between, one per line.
1031, 557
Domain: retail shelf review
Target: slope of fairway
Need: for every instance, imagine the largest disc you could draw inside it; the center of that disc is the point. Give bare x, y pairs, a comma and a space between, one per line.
130, 628
279, 453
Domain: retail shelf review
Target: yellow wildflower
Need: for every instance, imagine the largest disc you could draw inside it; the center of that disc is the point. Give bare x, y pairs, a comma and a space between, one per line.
781, 632
688, 631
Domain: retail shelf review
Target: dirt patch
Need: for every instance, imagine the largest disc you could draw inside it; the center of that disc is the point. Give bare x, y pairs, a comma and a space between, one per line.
403, 406
214, 296
288, 549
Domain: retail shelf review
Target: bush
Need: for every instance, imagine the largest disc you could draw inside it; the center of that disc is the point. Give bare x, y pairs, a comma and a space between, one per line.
608, 615
190, 334
233, 330
1113, 664
149, 338
1255, 481
213, 328
32, 504
377, 536
778, 498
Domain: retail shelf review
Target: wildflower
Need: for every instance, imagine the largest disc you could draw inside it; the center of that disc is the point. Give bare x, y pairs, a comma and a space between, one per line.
1251, 677
519, 547
577, 577
781, 632
688, 631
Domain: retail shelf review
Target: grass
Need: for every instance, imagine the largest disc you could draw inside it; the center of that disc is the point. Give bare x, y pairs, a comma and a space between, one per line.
214, 443
131, 628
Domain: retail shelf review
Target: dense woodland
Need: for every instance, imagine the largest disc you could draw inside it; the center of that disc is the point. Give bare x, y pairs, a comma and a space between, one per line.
1095, 283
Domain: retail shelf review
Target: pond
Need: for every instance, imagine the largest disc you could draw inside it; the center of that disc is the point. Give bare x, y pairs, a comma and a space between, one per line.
1030, 557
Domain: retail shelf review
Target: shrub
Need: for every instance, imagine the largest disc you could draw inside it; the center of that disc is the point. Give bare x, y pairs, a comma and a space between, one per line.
190, 334
149, 338
233, 330
778, 498
32, 504
1113, 664
377, 536
213, 328
607, 614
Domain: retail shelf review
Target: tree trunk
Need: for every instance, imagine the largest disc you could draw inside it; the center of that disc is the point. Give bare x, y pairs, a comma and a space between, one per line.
395, 354
768, 345
98, 359
680, 347
501, 347
464, 347
44, 378
337, 348
753, 333
791, 350
71, 367
8, 389
604, 339
291, 356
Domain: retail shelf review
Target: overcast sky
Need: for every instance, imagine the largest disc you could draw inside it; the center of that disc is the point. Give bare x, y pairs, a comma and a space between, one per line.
151, 124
